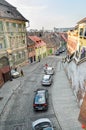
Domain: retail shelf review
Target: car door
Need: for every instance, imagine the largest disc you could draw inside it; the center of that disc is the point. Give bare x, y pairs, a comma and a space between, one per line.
50, 79
47, 96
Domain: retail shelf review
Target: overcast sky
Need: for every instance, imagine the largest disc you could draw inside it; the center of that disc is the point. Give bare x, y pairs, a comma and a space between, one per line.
51, 13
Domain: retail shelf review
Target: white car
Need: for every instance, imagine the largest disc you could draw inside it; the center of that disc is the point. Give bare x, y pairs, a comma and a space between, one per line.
42, 124
50, 70
15, 74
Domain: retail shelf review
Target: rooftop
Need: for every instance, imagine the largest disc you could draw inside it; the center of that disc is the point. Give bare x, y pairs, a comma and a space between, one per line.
10, 12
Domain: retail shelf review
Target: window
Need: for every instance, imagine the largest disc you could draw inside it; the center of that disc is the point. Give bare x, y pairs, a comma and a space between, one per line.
23, 54
85, 32
1, 26
30, 49
77, 54
23, 41
9, 26
20, 55
19, 27
0, 45
81, 32
14, 26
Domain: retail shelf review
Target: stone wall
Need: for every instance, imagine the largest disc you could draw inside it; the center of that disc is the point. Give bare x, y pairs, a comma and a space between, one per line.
77, 77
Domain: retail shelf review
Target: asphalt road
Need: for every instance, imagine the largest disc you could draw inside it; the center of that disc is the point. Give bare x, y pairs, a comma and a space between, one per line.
19, 113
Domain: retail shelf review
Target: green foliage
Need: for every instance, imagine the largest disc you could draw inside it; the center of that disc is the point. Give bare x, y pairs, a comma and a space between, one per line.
50, 51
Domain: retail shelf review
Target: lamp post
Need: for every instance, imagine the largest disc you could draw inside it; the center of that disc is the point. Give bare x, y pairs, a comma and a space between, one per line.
9, 52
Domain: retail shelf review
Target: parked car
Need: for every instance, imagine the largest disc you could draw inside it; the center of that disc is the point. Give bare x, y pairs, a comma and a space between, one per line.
42, 124
62, 49
50, 70
47, 80
14, 73
57, 53
41, 99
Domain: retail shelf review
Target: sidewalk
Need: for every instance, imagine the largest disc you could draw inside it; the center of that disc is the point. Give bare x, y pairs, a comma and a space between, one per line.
6, 92
64, 102
8, 89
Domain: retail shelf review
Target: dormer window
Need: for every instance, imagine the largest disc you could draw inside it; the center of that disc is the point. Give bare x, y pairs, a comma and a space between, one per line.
37, 41
8, 12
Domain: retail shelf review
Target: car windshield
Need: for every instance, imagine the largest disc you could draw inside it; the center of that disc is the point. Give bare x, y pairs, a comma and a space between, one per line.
49, 68
46, 78
42, 126
48, 128
13, 71
39, 99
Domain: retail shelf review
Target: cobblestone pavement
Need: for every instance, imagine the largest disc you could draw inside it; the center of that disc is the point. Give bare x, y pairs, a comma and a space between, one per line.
64, 101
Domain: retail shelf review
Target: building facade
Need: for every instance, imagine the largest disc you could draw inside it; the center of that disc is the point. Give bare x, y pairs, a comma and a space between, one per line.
82, 37
31, 50
12, 35
39, 49
77, 40
72, 41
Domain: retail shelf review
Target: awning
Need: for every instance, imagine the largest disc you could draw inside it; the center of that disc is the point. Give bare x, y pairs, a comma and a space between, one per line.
5, 69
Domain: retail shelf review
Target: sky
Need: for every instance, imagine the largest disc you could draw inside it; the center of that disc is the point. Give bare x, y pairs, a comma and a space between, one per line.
48, 14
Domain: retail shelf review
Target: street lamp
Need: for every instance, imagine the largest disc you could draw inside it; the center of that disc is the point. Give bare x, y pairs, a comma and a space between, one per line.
9, 52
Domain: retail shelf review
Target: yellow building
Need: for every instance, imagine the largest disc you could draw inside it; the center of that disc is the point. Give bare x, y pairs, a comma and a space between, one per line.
12, 35
81, 47
82, 33
41, 51
77, 40
40, 47
72, 41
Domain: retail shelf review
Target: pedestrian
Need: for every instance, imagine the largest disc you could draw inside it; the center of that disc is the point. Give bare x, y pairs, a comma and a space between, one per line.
15, 68
46, 65
22, 73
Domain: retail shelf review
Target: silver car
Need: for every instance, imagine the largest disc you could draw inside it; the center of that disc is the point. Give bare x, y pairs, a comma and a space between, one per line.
47, 80
42, 124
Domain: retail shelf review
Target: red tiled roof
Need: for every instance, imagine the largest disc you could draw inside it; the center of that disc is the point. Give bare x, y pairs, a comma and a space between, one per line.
37, 40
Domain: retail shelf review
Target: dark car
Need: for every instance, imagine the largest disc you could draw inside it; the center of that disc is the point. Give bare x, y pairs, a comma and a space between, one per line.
60, 50
41, 99
57, 53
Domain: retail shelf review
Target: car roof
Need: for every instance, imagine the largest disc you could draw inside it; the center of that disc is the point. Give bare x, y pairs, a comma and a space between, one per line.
49, 68
40, 121
41, 91
46, 76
